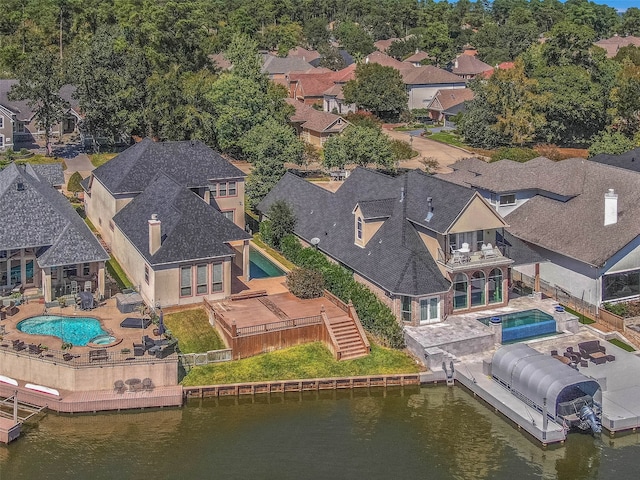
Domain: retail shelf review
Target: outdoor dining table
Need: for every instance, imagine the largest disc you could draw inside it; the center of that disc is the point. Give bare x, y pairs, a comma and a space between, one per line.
132, 382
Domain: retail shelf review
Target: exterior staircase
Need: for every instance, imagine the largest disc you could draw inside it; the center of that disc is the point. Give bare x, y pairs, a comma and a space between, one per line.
350, 341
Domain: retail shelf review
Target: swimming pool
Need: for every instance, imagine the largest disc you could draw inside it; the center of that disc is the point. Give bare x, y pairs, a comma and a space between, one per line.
523, 325
261, 267
77, 330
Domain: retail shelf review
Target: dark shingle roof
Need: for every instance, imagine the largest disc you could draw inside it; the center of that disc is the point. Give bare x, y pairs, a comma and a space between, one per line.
35, 215
191, 229
629, 160
51, 172
395, 258
190, 163
21, 109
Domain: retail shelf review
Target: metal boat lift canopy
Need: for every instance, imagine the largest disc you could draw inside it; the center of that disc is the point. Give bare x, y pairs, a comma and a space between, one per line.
533, 376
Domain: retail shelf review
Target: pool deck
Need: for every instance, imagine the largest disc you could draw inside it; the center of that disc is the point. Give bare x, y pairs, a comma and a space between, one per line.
619, 380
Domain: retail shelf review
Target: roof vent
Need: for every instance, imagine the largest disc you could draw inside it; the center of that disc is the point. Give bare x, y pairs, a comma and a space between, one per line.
610, 208
401, 194
20, 186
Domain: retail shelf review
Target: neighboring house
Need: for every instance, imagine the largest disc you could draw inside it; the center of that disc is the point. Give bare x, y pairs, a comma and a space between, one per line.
383, 45
416, 240
304, 54
583, 216
43, 241
629, 160
334, 102
17, 123
423, 83
386, 61
191, 164
448, 102
615, 43
220, 61
469, 66
314, 126
177, 248
278, 67
500, 66
346, 57
417, 58
310, 87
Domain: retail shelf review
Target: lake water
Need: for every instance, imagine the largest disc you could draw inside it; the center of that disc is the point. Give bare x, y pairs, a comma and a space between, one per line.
427, 433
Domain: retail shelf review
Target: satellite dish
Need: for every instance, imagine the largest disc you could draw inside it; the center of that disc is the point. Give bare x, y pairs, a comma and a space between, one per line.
315, 241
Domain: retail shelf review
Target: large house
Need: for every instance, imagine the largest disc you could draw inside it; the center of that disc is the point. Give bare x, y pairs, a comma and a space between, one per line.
425, 246
583, 216
173, 215
448, 102
469, 66
17, 123
614, 44
44, 243
314, 126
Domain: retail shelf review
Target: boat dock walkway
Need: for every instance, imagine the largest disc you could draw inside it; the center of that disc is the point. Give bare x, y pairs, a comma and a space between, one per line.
472, 377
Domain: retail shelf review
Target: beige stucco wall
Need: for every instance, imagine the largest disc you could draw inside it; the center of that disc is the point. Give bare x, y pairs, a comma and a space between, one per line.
433, 246
100, 207
235, 203
478, 215
99, 377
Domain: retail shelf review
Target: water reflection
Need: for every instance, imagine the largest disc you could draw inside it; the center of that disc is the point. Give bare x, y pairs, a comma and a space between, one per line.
435, 433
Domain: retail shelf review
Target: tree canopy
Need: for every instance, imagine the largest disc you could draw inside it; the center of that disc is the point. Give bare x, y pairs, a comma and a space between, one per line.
378, 89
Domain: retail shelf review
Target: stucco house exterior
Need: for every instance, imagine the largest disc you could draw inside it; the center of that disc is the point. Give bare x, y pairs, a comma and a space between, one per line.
583, 216
189, 194
314, 126
44, 243
420, 243
17, 122
448, 102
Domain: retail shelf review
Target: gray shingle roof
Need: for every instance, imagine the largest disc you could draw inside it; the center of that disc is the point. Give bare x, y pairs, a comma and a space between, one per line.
572, 224
395, 258
279, 65
190, 163
190, 228
51, 172
21, 109
382, 208
35, 215
629, 160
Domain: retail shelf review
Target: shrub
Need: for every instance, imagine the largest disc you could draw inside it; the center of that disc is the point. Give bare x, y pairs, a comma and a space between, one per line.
517, 154
305, 283
290, 248
401, 150
283, 221
74, 183
266, 232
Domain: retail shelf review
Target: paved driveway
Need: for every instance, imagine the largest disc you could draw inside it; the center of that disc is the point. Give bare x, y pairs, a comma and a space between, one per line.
444, 154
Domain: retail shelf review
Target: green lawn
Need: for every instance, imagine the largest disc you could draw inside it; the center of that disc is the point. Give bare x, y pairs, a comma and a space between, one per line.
449, 138
581, 318
115, 270
98, 159
193, 331
622, 345
312, 360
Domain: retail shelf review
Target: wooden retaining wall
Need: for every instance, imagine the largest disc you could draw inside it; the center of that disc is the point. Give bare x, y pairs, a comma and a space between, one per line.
283, 386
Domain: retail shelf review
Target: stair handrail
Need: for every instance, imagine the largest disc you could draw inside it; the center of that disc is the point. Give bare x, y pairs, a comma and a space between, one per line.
332, 337
353, 315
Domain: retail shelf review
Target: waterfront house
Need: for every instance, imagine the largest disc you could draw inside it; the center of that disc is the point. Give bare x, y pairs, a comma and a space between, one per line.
425, 246
202, 228
44, 243
583, 216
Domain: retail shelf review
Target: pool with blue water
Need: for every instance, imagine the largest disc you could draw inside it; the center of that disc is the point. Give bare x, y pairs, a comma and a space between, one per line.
77, 330
261, 267
523, 325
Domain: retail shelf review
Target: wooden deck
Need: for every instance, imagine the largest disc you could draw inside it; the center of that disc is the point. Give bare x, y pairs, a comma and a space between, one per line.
100, 400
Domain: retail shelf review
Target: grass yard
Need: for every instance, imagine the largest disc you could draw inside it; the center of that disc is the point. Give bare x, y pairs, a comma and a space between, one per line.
193, 331
98, 159
448, 138
581, 318
312, 360
115, 270
619, 343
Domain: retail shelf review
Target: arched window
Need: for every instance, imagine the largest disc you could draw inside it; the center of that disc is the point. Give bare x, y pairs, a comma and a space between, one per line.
460, 284
495, 286
478, 282
359, 228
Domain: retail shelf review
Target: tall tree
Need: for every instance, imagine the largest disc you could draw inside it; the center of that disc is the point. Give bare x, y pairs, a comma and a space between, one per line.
362, 146
378, 89
39, 84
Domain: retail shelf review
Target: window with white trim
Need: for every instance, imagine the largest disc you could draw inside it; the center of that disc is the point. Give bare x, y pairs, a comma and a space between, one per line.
217, 277
229, 214
146, 274
509, 199
201, 279
186, 281
231, 190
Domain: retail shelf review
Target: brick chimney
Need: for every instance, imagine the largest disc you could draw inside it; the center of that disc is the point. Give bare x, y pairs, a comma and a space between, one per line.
610, 208
155, 237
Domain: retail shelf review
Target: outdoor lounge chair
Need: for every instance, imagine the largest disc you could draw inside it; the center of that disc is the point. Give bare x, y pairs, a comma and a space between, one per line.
35, 349
587, 349
67, 356
148, 342
11, 309
119, 386
138, 349
95, 355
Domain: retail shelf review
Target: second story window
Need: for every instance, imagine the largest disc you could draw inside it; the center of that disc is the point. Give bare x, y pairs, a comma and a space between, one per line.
359, 229
509, 199
232, 189
222, 189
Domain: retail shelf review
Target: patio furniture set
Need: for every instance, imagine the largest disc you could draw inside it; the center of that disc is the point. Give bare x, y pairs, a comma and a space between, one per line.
587, 351
133, 385
157, 348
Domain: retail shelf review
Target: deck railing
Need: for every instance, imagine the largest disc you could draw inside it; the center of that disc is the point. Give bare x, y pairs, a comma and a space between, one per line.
283, 325
92, 358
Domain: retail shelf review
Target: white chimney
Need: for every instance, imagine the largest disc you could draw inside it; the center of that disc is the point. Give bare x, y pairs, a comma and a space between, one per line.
610, 208
155, 237
455, 64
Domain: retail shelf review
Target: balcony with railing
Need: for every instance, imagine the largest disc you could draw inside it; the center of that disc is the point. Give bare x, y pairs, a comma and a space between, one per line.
465, 258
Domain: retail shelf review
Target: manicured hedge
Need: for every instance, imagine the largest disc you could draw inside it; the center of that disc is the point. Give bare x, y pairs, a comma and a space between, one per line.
376, 317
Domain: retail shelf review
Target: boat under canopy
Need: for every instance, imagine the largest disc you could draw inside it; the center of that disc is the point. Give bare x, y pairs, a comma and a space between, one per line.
534, 377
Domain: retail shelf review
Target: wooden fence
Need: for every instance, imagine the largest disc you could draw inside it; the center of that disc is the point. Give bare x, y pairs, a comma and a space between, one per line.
314, 384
